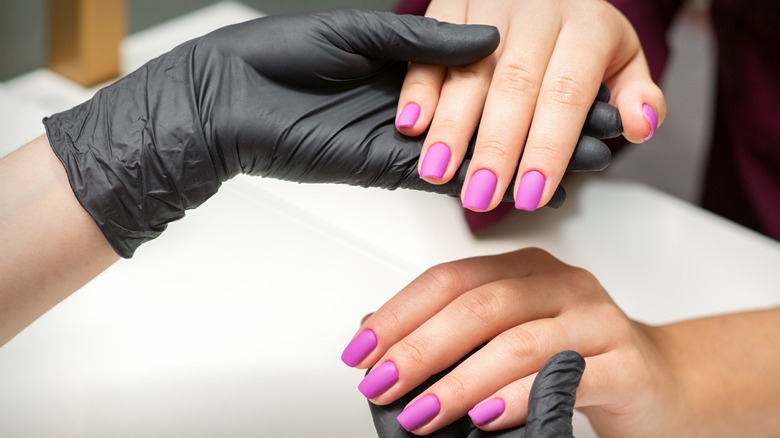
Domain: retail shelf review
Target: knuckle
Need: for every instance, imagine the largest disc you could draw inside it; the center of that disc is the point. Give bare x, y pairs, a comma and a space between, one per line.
484, 304
547, 150
465, 73
456, 388
442, 277
568, 89
581, 278
414, 351
521, 343
538, 254
446, 124
516, 76
495, 149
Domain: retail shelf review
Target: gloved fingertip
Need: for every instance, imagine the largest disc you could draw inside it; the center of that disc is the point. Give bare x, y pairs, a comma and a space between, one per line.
603, 121
590, 155
603, 95
553, 395
557, 199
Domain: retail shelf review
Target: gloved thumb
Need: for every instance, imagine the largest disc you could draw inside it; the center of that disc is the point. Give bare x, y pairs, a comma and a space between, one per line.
343, 45
388, 36
552, 398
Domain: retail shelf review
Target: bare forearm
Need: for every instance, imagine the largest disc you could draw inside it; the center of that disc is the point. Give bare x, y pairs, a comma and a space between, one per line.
50, 246
728, 369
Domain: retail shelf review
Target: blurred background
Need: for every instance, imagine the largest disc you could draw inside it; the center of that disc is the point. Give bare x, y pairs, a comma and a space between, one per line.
23, 23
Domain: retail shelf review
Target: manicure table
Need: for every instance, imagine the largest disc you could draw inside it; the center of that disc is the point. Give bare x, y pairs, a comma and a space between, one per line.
232, 322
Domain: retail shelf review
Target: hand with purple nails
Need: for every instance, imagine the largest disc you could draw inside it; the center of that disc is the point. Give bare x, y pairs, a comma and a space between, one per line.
529, 97
485, 326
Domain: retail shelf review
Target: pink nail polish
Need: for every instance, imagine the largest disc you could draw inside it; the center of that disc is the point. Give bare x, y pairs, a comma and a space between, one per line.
529, 192
359, 348
408, 116
486, 412
420, 412
651, 118
435, 161
480, 190
379, 380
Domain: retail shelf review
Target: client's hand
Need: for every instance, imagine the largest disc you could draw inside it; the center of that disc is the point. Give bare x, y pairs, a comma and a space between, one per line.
529, 98
550, 406
305, 98
524, 306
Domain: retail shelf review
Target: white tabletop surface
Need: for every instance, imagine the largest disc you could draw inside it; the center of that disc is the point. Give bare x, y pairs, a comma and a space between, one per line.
232, 322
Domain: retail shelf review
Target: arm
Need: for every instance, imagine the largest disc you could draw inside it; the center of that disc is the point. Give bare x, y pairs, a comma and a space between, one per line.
727, 369
113, 171
50, 245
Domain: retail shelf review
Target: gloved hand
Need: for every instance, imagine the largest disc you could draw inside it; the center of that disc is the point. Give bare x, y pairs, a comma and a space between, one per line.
305, 98
550, 406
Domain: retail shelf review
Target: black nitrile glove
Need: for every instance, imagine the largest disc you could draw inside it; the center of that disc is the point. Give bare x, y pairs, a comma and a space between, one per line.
550, 406
305, 98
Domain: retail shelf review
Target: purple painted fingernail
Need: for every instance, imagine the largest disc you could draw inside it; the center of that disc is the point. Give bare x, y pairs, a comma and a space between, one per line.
480, 190
651, 118
359, 348
408, 116
379, 380
529, 192
420, 412
486, 412
435, 161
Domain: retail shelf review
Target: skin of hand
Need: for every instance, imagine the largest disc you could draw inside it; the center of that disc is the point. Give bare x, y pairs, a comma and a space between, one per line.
706, 377
529, 98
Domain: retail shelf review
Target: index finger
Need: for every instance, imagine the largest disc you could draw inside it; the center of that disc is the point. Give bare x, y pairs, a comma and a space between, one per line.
428, 294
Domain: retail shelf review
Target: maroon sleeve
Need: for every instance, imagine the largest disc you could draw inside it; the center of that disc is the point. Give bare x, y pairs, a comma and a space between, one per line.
651, 20
414, 7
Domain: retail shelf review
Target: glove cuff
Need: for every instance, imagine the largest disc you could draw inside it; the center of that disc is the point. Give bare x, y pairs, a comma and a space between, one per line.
130, 169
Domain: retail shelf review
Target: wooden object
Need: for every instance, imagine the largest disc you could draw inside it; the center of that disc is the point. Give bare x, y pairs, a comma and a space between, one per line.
84, 39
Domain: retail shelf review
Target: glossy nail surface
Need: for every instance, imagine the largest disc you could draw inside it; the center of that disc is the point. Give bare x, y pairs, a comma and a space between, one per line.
529, 192
651, 118
408, 116
486, 412
435, 161
379, 380
420, 412
359, 348
480, 190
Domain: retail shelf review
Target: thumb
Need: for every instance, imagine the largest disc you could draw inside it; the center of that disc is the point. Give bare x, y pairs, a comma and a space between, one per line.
343, 45
551, 402
388, 36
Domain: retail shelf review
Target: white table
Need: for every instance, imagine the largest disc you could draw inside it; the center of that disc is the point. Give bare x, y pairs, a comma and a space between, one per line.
232, 322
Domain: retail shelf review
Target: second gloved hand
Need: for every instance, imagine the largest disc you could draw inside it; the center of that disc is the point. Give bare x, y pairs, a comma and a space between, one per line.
550, 406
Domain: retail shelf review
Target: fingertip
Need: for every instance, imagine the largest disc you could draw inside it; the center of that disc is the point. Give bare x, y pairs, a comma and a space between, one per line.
407, 117
642, 108
434, 163
418, 99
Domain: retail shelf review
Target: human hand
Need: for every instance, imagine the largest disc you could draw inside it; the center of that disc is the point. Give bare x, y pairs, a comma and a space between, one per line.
524, 306
306, 98
550, 406
529, 98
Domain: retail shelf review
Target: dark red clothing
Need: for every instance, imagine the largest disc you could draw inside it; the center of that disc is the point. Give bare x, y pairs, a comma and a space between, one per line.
742, 180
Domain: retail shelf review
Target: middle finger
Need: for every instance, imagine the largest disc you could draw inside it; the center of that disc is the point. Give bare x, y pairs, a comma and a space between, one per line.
510, 103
